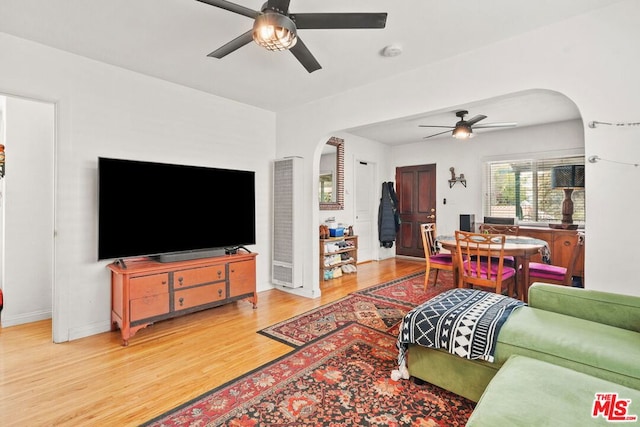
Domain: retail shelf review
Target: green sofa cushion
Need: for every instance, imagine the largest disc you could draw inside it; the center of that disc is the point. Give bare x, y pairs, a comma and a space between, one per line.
622, 311
529, 392
596, 349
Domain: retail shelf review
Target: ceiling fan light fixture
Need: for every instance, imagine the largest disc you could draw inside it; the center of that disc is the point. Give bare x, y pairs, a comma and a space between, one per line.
274, 32
462, 131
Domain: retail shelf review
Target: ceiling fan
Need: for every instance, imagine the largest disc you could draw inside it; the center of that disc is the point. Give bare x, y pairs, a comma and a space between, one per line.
463, 128
274, 28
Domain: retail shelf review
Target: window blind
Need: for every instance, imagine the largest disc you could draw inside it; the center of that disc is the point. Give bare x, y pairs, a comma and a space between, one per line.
522, 189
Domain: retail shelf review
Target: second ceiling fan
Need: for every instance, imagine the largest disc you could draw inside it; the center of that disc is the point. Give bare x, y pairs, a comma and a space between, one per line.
463, 129
274, 28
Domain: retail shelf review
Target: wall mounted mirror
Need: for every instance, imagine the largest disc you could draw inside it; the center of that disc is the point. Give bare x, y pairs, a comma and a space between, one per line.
331, 180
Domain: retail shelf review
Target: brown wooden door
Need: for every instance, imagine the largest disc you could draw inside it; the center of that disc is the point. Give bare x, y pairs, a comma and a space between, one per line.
416, 190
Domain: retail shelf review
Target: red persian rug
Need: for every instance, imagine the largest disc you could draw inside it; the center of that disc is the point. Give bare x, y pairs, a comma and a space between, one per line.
342, 379
410, 290
381, 307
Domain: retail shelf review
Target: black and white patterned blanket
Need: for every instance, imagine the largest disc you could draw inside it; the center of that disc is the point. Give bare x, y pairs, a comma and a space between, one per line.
465, 322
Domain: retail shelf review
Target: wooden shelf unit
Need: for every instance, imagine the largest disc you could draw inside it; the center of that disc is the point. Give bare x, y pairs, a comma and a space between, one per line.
148, 291
351, 250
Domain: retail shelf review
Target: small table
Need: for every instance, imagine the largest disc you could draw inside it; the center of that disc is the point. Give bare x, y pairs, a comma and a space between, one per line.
519, 247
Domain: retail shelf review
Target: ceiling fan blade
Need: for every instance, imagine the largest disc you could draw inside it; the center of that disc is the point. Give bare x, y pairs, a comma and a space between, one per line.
323, 21
436, 134
476, 119
496, 125
435, 126
233, 45
232, 7
281, 6
302, 53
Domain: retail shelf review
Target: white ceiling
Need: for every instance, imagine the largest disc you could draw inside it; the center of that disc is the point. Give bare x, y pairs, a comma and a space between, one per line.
170, 40
530, 108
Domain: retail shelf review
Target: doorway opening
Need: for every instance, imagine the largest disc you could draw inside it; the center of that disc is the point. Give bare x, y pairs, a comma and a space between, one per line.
27, 130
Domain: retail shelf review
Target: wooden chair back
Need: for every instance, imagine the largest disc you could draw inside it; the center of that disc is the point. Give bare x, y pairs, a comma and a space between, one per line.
509, 229
576, 253
576, 241
480, 258
433, 259
428, 231
499, 220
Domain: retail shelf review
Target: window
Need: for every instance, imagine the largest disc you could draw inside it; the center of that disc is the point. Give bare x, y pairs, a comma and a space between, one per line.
522, 189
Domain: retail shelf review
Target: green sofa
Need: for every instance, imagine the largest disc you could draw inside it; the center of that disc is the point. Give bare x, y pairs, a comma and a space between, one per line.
592, 332
528, 392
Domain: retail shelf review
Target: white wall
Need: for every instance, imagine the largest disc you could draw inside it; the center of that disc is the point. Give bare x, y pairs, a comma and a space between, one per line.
111, 112
561, 138
590, 58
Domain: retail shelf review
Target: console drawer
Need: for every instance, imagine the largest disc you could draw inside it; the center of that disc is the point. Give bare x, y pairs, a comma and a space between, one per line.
149, 306
196, 276
199, 295
149, 285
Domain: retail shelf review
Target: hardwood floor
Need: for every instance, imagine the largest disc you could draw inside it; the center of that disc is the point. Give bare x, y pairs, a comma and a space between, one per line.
96, 381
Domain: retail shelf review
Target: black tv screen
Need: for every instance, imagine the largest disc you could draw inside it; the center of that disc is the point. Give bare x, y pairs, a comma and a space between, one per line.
148, 209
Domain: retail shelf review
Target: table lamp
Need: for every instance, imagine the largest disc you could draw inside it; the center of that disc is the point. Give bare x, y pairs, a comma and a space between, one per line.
568, 178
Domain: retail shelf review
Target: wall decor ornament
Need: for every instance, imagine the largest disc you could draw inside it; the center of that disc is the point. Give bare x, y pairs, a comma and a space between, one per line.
455, 179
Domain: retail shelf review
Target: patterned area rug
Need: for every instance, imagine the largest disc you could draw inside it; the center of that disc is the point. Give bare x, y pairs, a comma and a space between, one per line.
342, 379
384, 316
381, 307
410, 290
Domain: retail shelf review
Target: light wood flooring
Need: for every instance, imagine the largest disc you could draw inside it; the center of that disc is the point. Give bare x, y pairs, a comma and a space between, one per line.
95, 381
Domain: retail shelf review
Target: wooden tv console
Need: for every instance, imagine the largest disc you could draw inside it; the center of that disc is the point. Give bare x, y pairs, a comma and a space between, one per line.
147, 291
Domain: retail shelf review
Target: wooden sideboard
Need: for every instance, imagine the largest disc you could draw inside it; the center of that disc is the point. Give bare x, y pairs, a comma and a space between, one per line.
558, 246
148, 291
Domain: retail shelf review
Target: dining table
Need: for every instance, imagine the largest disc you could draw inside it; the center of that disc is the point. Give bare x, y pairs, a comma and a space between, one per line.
521, 248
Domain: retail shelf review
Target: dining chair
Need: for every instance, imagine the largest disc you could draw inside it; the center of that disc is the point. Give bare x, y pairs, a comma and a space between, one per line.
557, 274
434, 259
480, 258
499, 220
508, 229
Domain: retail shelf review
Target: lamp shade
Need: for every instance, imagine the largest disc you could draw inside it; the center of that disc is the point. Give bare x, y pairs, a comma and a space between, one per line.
570, 176
462, 131
274, 32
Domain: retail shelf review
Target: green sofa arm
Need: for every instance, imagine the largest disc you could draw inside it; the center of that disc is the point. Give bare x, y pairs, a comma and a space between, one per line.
622, 311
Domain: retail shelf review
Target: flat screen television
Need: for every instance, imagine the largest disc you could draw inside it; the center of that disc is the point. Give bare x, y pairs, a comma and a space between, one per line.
172, 212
